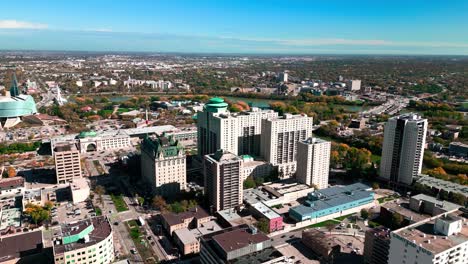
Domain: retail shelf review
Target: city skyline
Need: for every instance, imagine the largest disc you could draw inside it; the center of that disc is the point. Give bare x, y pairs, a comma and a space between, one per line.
300, 27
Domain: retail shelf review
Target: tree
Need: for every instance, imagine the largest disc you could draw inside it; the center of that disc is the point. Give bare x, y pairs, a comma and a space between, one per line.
100, 190
364, 214
330, 226
159, 203
249, 183
141, 200
37, 213
48, 205
396, 221
263, 225
375, 186
11, 172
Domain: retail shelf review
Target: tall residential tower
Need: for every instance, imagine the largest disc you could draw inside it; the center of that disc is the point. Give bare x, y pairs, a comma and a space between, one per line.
279, 141
223, 180
313, 162
403, 148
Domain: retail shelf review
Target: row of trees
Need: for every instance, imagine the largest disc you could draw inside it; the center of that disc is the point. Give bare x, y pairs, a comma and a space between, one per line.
38, 214
160, 203
19, 147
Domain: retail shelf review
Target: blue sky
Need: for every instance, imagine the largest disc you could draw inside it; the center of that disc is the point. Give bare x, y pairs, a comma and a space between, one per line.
288, 26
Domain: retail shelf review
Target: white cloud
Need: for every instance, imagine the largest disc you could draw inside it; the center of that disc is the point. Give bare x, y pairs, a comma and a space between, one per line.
15, 24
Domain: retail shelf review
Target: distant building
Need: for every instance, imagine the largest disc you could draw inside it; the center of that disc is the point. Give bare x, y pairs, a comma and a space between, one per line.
440, 239
439, 185
354, 85
90, 141
376, 245
322, 244
279, 141
228, 245
403, 148
223, 180
193, 218
333, 200
67, 162
358, 123
458, 149
163, 165
313, 162
85, 241
283, 77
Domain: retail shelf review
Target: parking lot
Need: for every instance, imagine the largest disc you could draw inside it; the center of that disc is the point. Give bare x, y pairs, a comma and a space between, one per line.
69, 212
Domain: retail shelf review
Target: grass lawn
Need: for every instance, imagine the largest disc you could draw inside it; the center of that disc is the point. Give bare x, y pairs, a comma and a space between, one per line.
341, 218
322, 224
119, 203
375, 158
98, 211
386, 199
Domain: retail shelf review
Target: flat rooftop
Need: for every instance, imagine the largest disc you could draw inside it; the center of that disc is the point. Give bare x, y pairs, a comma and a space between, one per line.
441, 184
10, 183
175, 219
206, 228
402, 207
237, 238
266, 211
185, 236
447, 206
285, 187
333, 196
423, 234
20, 245
101, 230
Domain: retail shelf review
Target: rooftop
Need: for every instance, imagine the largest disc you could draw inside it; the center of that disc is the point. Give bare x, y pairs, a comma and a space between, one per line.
236, 238
422, 234
266, 211
401, 207
72, 235
17, 246
447, 206
185, 236
441, 184
175, 219
314, 140
332, 197
206, 228
224, 156
9, 183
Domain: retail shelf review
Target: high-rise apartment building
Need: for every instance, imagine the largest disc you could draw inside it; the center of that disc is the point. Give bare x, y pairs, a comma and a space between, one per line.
283, 77
223, 180
280, 138
238, 133
163, 165
403, 148
354, 85
313, 162
67, 162
439, 239
376, 245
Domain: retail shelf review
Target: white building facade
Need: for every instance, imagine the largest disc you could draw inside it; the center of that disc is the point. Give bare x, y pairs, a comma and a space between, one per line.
279, 141
313, 162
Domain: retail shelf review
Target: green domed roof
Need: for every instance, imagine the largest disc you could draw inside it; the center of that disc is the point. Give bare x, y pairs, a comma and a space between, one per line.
85, 134
216, 104
216, 100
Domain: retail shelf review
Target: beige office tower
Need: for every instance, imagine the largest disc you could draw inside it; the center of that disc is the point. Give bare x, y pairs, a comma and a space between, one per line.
279, 141
67, 162
313, 162
223, 180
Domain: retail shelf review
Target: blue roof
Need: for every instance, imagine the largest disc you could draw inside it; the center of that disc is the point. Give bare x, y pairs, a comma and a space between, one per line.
333, 197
